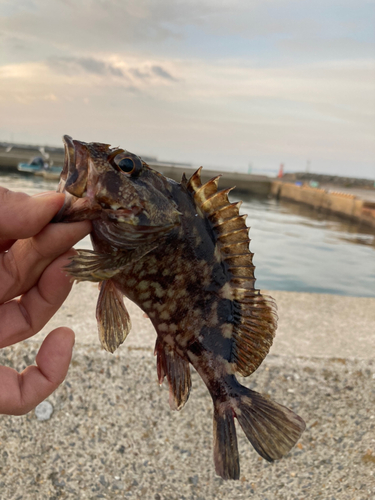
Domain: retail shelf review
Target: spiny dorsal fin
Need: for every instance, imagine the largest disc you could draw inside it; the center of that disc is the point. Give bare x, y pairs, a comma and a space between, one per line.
204, 192
216, 201
194, 182
226, 212
233, 224
255, 315
184, 181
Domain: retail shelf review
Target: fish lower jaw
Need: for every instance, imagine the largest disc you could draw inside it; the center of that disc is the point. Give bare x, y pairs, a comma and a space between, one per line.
110, 206
115, 206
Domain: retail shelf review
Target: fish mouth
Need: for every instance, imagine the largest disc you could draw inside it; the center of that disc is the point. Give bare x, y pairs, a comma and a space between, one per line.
79, 204
73, 177
69, 158
80, 200
73, 183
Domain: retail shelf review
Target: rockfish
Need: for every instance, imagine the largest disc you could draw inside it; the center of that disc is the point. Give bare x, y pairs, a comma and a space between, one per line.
180, 251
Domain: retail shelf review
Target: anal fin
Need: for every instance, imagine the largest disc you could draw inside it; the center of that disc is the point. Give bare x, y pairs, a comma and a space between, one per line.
177, 370
112, 317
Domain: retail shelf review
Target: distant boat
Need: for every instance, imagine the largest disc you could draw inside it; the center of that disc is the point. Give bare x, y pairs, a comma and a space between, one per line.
38, 166
35, 165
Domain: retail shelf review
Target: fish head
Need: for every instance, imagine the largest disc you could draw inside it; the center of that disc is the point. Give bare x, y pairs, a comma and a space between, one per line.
128, 202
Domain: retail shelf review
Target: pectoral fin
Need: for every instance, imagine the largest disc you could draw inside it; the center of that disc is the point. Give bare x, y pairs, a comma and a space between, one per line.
112, 317
89, 265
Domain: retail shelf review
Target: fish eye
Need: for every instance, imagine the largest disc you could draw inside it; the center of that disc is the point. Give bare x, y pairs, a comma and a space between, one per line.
126, 165
126, 162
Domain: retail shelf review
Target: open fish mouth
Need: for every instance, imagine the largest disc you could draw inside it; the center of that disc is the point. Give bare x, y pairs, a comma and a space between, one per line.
80, 182
73, 178
69, 159
73, 181
79, 204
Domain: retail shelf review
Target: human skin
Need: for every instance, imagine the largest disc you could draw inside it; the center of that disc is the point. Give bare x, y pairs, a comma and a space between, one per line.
33, 287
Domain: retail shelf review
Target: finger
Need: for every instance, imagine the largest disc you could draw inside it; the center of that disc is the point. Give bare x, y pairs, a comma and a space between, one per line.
22, 216
25, 261
21, 392
24, 317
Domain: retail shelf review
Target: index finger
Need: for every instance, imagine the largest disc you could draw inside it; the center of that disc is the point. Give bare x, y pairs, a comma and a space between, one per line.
23, 216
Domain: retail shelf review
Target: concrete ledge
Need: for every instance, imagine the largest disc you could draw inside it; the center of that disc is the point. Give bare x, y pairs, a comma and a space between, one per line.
342, 204
112, 434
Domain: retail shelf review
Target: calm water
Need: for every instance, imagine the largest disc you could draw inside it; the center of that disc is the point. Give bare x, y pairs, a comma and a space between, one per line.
295, 248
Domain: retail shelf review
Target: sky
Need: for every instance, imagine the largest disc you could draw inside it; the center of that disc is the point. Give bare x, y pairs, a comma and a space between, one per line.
228, 84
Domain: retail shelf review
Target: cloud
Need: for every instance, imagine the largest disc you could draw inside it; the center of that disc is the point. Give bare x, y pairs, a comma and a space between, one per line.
70, 65
141, 75
90, 25
149, 72
177, 77
158, 70
145, 72
98, 67
262, 29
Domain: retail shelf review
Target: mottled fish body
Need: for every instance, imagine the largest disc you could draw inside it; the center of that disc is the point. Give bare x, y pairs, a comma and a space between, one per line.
180, 251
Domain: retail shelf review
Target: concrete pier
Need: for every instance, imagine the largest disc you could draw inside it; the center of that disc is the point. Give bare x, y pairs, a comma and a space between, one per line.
359, 207
112, 434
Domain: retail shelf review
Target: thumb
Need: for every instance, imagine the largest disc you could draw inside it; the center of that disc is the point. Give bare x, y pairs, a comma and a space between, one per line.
23, 392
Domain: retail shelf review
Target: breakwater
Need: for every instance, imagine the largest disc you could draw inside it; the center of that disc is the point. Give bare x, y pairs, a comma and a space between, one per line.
344, 204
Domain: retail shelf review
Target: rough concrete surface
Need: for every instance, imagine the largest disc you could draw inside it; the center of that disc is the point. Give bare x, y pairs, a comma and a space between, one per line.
112, 434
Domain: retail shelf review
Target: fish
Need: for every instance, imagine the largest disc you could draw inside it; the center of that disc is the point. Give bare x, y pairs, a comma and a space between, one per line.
180, 251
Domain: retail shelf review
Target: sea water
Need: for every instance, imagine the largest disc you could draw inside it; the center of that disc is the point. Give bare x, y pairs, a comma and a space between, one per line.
295, 248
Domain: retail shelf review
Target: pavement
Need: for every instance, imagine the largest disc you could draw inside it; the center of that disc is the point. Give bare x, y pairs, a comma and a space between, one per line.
112, 434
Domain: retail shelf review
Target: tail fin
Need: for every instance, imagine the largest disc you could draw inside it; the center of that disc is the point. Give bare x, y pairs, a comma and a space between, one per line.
271, 428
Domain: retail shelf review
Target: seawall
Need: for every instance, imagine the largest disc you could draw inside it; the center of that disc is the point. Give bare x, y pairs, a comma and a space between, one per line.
344, 204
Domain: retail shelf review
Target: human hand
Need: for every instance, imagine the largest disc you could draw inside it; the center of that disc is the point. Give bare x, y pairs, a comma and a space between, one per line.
32, 253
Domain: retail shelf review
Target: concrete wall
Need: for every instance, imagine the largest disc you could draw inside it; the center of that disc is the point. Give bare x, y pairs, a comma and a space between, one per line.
342, 204
255, 184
